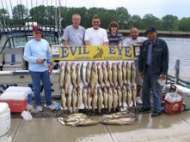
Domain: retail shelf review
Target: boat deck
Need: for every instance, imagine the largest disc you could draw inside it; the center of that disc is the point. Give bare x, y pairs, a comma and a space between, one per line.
173, 128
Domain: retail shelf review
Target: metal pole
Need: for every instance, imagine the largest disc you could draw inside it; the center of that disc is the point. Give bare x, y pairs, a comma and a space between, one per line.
177, 70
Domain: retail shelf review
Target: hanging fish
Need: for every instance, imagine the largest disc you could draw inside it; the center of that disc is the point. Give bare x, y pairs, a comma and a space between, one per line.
88, 72
133, 73
124, 72
62, 75
109, 69
83, 73
115, 99
94, 76
69, 98
134, 93
100, 99
78, 72
128, 66
84, 98
67, 78
114, 74
110, 99
119, 96
73, 75
105, 74
94, 99
63, 98
129, 96
79, 97
89, 98
119, 74
100, 74
124, 96
74, 99
105, 96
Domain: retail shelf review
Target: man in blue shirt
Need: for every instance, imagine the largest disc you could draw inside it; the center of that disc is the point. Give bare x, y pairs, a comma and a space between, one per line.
153, 66
37, 54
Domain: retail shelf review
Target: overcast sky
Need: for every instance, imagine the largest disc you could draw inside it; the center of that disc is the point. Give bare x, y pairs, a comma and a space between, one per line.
159, 8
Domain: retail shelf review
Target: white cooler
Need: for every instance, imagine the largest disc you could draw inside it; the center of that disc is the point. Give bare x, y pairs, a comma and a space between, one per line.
5, 118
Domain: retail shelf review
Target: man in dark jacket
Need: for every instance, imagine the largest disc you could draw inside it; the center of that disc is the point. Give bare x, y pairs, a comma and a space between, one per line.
153, 66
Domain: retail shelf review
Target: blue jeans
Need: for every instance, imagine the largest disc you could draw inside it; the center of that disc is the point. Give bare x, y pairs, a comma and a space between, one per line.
37, 77
151, 87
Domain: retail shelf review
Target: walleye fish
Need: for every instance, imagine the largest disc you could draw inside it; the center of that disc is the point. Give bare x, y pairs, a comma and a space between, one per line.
94, 99
74, 99
105, 96
124, 96
119, 96
69, 98
105, 74
115, 99
89, 98
78, 71
110, 100
63, 98
100, 74
128, 70
93, 76
100, 100
119, 121
133, 73
84, 98
134, 93
73, 75
62, 75
109, 69
88, 72
83, 73
114, 74
124, 73
87, 122
119, 74
75, 116
118, 115
79, 97
67, 78
129, 97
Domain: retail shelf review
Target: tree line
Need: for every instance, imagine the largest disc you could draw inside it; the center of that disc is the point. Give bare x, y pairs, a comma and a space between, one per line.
61, 16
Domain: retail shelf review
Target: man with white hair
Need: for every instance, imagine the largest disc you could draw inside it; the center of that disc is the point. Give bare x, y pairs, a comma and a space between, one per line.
74, 34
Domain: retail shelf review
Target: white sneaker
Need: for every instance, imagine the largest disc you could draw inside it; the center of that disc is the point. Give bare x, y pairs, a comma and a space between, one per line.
38, 109
139, 100
52, 107
30, 107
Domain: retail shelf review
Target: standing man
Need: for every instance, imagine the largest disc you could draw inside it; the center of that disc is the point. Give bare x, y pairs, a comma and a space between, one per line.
96, 35
153, 66
74, 34
37, 54
135, 40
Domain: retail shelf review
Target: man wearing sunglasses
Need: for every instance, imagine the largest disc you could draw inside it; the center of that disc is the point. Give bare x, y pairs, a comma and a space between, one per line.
96, 35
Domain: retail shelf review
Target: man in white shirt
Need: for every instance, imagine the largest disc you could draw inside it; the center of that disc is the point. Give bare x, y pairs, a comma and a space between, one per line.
96, 35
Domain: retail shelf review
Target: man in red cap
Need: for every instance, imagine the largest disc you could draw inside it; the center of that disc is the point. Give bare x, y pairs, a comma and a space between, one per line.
37, 54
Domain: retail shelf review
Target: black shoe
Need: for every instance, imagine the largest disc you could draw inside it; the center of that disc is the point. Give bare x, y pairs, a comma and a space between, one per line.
145, 110
155, 114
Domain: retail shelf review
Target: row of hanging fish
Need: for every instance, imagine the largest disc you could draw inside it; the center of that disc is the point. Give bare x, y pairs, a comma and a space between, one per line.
97, 85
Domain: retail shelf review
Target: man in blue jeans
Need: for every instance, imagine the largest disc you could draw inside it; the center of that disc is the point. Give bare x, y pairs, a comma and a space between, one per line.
37, 54
153, 66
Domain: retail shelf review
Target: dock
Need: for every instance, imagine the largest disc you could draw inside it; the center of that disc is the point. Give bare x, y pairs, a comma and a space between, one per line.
166, 128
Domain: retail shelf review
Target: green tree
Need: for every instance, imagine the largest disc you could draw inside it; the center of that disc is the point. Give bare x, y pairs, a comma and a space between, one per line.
150, 20
4, 18
135, 20
20, 13
169, 23
122, 16
184, 24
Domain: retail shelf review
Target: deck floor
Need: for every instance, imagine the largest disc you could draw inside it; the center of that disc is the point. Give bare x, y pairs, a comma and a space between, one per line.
175, 128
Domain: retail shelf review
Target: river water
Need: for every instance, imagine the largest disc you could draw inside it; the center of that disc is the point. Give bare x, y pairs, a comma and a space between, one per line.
179, 48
